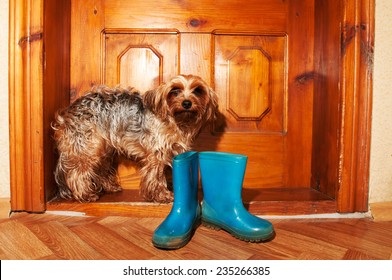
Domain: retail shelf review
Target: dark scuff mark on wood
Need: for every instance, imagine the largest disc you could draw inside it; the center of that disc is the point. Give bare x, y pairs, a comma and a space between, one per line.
348, 34
197, 22
305, 77
367, 48
31, 38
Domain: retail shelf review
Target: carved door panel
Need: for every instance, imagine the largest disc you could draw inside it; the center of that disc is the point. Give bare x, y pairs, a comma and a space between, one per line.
140, 59
247, 53
250, 80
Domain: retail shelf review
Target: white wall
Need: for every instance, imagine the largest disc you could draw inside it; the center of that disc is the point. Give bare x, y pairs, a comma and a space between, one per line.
4, 127
381, 145
381, 150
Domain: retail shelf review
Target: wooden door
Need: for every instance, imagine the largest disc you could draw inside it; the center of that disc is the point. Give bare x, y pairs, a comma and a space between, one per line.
46, 54
255, 54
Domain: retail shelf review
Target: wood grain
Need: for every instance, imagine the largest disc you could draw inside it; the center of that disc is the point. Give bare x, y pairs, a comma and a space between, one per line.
134, 51
381, 211
26, 105
56, 79
202, 16
86, 46
258, 201
326, 114
328, 148
357, 70
45, 236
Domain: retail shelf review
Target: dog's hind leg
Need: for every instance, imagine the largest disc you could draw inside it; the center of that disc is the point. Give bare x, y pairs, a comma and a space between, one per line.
79, 183
60, 177
77, 177
106, 174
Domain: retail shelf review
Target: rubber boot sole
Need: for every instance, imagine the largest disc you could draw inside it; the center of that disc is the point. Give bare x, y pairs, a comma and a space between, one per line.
180, 241
242, 237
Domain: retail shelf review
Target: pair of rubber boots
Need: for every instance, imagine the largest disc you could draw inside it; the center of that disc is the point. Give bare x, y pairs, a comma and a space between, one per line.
222, 176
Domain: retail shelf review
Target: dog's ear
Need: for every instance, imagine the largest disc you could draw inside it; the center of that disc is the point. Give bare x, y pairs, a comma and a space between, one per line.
212, 107
154, 100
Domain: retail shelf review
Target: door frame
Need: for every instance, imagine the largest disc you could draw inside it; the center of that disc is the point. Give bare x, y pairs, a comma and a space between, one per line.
33, 73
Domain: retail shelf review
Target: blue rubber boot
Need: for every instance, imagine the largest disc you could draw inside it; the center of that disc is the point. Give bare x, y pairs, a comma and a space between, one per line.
222, 175
178, 227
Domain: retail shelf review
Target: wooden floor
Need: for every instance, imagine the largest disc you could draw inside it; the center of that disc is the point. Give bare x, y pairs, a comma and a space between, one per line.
48, 236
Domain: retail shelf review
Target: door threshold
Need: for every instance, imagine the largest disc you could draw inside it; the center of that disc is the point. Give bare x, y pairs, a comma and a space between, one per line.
280, 202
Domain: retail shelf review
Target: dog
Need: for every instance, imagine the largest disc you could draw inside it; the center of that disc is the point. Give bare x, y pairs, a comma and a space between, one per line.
149, 128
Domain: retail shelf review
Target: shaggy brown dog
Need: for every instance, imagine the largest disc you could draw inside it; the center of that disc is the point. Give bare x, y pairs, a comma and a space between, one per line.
150, 129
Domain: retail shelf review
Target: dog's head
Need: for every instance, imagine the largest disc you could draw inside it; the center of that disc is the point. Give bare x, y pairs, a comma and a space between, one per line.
187, 99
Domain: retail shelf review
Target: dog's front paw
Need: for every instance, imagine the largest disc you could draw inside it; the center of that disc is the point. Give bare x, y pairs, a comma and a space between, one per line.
164, 196
112, 188
158, 194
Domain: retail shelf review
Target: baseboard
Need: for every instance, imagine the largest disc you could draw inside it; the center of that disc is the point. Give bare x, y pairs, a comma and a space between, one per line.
381, 211
5, 207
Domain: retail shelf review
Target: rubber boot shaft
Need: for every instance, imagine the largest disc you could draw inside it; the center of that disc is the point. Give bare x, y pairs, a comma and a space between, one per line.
222, 176
178, 227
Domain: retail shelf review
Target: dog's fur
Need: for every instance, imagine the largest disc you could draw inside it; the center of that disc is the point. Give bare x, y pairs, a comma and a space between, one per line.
151, 129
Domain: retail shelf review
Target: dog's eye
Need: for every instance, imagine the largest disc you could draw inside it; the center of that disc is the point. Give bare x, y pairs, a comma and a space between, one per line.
198, 91
174, 92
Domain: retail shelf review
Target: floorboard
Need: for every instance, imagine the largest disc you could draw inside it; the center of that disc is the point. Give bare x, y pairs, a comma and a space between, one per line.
48, 236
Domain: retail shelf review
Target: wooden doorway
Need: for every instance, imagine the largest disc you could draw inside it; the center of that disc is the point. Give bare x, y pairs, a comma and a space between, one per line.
282, 71
245, 59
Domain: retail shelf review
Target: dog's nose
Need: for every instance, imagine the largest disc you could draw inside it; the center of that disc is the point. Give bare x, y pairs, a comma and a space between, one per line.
187, 104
